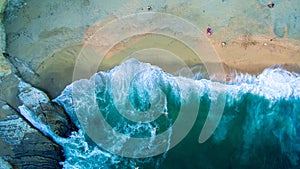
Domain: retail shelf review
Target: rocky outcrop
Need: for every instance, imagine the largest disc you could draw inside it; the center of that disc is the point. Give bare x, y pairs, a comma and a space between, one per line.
21, 68
22, 145
48, 112
9, 90
5, 66
4, 164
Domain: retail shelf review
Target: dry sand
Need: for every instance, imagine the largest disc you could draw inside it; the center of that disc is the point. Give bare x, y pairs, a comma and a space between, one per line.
252, 54
246, 54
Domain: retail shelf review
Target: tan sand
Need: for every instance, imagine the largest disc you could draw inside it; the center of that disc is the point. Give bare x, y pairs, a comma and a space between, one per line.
252, 54
56, 35
246, 54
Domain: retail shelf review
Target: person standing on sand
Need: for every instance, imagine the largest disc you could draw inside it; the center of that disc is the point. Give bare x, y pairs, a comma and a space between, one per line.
271, 5
208, 31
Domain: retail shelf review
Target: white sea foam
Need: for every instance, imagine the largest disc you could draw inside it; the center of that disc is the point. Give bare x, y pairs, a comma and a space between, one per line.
273, 85
272, 112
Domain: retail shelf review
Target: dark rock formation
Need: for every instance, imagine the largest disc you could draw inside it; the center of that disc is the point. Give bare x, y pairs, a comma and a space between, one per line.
49, 113
53, 115
22, 68
9, 90
22, 145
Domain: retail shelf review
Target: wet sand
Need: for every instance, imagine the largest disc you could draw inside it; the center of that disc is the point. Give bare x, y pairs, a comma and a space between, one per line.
246, 54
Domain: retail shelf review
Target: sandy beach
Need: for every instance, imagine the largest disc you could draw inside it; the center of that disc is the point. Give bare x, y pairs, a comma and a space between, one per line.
51, 48
247, 30
246, 54
252, 54
42, 45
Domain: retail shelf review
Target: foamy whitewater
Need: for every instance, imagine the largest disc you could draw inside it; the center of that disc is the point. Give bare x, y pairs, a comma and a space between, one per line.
259, 127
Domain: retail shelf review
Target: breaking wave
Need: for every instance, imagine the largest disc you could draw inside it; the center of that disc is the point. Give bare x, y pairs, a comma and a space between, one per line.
259, 128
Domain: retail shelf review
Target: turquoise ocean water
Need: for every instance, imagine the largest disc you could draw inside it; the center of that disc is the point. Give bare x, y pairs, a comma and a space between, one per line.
259, 127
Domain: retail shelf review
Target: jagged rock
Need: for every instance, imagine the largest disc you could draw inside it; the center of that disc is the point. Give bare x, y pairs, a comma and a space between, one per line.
5, 66
21, 67
2, 5
49, 113
2, 30
9, 90
55, 117
16, 92
23, 146
4, 164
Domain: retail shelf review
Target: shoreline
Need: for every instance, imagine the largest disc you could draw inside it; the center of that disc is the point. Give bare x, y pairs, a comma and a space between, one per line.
245, 36
247, 55
40, 42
